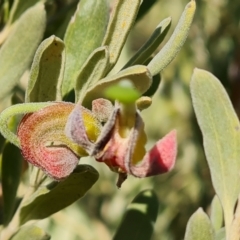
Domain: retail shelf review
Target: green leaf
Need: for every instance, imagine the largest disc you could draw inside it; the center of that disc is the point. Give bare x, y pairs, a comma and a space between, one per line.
154, 87
176, 41
234, 233
11, 173
199, 227
58, 195
85, 33
137, 223
31, 232
19, 7
18, 50
151, 45
47, 71
220, 234
221, 137
92, 71
216, 215
121, 21
144, 8
138, 75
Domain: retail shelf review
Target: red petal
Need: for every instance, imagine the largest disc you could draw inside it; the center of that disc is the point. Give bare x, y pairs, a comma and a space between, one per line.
160, 159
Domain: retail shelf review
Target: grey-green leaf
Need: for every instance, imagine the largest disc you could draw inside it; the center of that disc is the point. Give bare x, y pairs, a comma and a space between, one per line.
18, 50
176, 41
58, 195
85, 33
221, 137
216, 215
11, 173
151, 45
137, 223
92, 71
19, 7
121, 21
199, 227
31, 232
220, 234
47, 72
138, 75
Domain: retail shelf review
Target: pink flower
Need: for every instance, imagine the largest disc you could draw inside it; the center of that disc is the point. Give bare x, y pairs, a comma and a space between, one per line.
121, 144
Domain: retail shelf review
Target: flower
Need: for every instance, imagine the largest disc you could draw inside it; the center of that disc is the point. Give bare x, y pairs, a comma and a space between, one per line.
57, 136
121, 143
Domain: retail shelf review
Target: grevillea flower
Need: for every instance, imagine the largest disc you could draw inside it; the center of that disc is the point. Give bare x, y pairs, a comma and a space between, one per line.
121, 144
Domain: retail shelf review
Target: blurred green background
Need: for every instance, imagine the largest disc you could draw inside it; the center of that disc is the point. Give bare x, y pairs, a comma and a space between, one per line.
214, 45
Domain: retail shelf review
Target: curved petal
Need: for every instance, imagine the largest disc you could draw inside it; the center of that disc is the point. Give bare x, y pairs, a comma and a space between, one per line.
160, 159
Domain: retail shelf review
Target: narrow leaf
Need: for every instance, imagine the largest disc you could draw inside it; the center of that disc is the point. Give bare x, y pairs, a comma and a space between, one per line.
121, 21
58, 195
220, 128
47, 72
11, 172
138, 75
154, 87
85, 33
92, 71
151, 45
199, 227
31, 232
145, 7
137, 223
175, 43
17, 52
216, 215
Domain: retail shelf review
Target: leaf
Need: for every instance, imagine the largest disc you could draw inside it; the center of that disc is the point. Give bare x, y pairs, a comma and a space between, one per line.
154, 87
216, 215
47, 71
176, 41
138, 75
220, 234
85, 33
151, 44
92, 71
234, 233
137, 223
144, 8
121, 21
58, 195
221, 138
199, 227
11, 173
31, 232
19, 7
17, 52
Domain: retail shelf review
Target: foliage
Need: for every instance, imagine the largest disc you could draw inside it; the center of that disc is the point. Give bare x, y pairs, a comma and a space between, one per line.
75, 48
